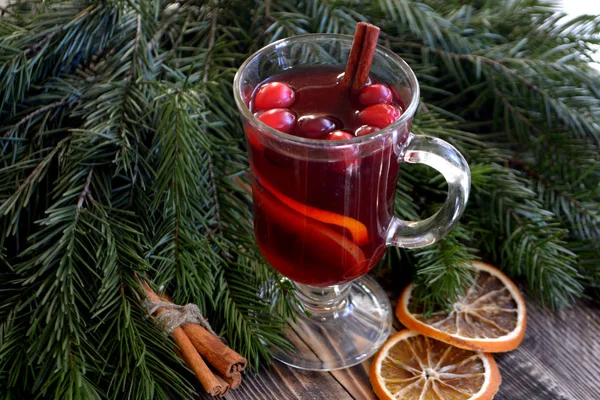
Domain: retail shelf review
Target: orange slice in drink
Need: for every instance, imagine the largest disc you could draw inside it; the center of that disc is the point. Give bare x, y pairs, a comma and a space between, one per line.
332, 247
490, 317
413, 366
357, 229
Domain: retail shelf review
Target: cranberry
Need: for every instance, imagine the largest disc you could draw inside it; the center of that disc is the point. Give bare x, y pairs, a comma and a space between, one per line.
365, 130
279, 118
349, 154
379, 115
375, 94
316, 126
274, 95
339, 135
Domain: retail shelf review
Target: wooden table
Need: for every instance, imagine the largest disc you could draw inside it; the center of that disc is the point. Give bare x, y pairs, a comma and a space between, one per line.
558, 359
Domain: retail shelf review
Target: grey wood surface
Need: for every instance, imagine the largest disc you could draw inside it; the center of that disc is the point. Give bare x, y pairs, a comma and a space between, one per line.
559, 359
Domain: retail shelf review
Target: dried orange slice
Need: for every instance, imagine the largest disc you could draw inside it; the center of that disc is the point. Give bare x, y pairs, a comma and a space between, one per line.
490, 317
413, 366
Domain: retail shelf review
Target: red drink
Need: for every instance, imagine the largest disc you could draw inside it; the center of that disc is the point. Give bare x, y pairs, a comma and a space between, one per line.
323, 221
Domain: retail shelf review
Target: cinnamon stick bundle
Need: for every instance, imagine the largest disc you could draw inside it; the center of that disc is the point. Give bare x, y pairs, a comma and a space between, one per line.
223, 359
225, 385
211, 383
234, 381
220, 356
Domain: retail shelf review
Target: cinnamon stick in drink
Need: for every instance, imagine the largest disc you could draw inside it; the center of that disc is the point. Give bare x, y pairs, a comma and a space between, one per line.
361, 56
353, 57
365, 61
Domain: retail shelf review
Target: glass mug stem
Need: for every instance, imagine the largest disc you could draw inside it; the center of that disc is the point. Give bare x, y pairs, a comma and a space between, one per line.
322, 302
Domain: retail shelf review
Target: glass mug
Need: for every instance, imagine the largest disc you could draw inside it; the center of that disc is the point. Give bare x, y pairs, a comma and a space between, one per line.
323, 210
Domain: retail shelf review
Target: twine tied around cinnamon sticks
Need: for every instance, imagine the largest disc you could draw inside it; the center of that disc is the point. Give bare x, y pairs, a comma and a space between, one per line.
197, 342
174, 315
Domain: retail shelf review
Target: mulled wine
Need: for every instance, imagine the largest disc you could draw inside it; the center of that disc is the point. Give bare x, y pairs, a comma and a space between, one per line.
323, 221
317, 111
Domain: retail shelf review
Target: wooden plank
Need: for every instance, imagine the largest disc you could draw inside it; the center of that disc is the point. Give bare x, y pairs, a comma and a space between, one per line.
356, 381
282, 382
559, 357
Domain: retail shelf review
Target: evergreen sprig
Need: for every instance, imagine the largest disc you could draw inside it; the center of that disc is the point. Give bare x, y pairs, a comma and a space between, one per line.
123, 157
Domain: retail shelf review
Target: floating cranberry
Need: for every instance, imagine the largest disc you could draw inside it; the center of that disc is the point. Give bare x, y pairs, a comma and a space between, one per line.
316, 126
349, 154
274, 95
339, 135
279, 118
375, 94
365, 130
379, 115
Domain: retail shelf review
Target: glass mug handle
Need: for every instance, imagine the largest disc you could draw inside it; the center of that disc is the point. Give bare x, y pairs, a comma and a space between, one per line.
444, 158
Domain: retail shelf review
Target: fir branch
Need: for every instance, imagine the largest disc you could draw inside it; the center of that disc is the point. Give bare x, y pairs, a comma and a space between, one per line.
244, 311
181, 185
282, 19
443, 270
34, 114
328, 18
503, 80
211, 41
588, 257
533, 244
13, 204
39, 51
581, 212
62, 302
141, 365
429, 26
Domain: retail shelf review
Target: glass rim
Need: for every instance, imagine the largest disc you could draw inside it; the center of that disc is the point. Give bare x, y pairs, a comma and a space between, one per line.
380, 50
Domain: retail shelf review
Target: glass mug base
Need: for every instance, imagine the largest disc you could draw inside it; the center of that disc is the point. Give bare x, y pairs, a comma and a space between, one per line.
347, 325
